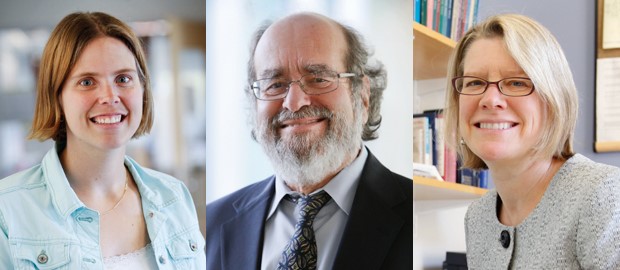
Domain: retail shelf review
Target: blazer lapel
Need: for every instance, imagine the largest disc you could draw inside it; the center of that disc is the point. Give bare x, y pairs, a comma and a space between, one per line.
373, 226
242, 236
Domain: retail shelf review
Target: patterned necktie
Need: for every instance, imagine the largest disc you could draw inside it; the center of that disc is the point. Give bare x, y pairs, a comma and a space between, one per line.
300, 252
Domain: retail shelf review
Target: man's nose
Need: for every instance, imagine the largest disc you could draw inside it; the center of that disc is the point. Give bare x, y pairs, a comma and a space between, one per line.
296, 98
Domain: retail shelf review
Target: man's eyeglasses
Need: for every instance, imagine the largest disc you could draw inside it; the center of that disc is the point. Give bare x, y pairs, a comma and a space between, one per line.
316, 83
512, 87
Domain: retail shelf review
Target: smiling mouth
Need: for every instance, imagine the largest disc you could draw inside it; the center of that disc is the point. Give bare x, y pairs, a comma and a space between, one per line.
495, 126
108, 119
300, 122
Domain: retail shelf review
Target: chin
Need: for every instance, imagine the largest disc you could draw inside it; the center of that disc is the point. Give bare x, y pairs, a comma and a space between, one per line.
114, 144
490, 153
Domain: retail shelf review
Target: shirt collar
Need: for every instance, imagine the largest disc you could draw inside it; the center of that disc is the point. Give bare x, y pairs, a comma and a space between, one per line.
341, 188
64, 198
66, 201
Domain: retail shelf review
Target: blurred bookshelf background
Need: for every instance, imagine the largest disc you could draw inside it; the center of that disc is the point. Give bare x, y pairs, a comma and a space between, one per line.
173, 33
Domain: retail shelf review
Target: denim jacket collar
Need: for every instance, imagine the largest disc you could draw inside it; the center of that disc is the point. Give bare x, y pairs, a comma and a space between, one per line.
63, 197
66, 201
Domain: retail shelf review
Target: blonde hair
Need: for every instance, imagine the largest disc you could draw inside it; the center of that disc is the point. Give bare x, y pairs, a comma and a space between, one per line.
538, 53
64, 47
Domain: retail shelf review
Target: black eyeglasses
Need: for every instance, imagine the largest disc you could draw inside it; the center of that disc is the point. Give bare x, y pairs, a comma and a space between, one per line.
316, 83
512, 87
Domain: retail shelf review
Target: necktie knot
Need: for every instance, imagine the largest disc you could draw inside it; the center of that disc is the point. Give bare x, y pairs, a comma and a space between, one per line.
309, 206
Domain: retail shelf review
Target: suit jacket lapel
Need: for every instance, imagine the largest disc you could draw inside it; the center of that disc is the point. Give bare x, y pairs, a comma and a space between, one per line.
242, 236
372, 226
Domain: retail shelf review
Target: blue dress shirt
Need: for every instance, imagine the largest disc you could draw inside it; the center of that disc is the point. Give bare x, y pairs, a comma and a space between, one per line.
44, 225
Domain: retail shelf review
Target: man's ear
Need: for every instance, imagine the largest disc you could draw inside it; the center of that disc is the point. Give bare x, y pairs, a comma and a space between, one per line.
365, 95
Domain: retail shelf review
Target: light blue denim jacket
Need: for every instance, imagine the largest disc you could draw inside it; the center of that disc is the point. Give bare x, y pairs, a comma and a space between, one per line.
44, 225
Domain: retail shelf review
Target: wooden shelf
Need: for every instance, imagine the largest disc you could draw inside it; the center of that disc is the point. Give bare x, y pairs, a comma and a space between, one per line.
431, 53
426, 189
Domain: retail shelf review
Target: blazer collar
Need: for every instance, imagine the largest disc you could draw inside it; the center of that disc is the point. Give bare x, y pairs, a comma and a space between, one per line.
242, 246
373, 225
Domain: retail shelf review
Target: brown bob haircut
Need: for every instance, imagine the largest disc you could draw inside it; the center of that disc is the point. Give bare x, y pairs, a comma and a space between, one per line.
64, 47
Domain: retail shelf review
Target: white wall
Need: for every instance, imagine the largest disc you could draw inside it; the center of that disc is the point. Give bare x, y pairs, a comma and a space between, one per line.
233, 159
438, 232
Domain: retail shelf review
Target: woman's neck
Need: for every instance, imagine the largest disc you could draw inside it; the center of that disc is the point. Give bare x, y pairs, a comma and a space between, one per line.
88, 171
521, 187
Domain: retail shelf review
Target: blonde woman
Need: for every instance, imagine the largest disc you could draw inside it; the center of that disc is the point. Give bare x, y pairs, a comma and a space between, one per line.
87, 205
513, 104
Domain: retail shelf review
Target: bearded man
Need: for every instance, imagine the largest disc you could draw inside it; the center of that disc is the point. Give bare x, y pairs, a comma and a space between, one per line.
331, 204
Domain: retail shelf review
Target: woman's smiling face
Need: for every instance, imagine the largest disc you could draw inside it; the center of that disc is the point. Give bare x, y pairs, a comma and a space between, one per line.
496, 127
102, 96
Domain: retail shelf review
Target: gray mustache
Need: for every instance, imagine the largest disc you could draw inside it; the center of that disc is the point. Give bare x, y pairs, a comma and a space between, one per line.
304, 112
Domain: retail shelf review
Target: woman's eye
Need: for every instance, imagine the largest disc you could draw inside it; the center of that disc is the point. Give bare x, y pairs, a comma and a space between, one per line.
123, 79
474, 83
86, 82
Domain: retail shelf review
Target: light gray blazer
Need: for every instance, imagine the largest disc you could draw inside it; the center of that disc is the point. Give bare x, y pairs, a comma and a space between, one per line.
576, 224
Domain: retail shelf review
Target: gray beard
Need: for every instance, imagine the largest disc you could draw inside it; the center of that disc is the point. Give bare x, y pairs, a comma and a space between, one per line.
304, 161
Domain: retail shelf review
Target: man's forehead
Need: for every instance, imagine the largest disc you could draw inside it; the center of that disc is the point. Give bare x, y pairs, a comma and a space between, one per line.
310, 28
301, 43
303, 21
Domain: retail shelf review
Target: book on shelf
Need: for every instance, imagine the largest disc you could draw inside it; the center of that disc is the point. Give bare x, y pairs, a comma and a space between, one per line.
475, 178
416, 11
422, 137
428, 19
427, 171
429, 145
451, 18
430, 150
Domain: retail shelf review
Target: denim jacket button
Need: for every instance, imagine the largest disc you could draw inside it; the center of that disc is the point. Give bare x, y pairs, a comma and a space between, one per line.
42, 258
193, 246
162, 260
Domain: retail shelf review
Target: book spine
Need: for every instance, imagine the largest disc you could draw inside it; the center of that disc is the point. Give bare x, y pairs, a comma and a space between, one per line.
429, 13
467, 176
483, 178
448, 28
450, 165
442, 16
475, 20
462, 19
456, 14
424, 149
470, 13
416, 11
440, 146
437, 11
423, 10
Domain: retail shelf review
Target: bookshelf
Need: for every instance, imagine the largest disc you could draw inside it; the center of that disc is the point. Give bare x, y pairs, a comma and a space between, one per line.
427, 189
431, 53
439, 206
432, 195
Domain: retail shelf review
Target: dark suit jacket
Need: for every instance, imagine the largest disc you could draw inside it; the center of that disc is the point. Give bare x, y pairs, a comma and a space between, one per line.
378, 233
